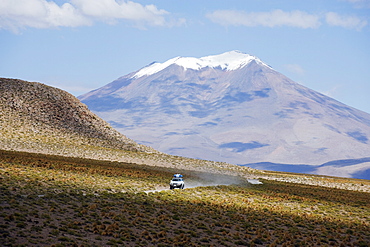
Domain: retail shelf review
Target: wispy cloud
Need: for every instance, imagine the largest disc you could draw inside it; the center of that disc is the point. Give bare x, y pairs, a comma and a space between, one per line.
349, 22
334, 91
273, 18
359, 3
279, 18
295, 68
18, 14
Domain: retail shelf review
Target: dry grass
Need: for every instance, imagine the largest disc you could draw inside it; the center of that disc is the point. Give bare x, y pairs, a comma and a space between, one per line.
51, 200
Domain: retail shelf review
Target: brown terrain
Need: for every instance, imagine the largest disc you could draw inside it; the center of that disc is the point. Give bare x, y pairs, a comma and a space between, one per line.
44, 114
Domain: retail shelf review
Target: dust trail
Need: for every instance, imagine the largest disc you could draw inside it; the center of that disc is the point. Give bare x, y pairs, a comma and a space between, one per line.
193, 180
254, 181
212, 179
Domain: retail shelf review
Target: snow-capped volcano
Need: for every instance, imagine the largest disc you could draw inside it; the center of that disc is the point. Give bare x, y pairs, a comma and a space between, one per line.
226, 61
232, 107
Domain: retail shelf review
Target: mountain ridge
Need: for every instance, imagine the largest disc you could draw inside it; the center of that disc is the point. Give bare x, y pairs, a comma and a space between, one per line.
244, 116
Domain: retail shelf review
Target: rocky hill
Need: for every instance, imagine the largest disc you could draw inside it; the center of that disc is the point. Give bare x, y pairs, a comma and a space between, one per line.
39, 118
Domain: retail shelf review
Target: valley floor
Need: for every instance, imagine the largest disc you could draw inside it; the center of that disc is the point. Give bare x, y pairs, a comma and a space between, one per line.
51, 200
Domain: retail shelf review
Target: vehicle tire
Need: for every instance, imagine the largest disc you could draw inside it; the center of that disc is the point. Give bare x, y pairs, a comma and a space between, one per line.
182, 186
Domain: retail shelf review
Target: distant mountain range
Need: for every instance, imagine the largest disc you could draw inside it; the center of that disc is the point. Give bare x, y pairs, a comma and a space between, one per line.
234, 108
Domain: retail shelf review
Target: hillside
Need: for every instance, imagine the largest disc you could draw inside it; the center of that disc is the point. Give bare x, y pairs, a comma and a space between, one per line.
42, 119
45, 119
59, 201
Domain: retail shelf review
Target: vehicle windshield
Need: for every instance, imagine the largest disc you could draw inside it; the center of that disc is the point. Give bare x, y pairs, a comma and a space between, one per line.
177, 179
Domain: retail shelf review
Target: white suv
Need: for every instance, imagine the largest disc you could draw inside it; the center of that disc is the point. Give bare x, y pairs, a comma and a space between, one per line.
177, 182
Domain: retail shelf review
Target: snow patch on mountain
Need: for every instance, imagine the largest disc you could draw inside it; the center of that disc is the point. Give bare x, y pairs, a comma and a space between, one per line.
232, 60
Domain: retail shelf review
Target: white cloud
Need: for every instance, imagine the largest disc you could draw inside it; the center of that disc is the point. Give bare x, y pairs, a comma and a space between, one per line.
299, 19
278, 18
110, 10
17, 14
349, 22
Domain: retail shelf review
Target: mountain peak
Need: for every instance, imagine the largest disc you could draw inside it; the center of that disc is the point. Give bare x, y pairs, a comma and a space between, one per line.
233, 108
231, 60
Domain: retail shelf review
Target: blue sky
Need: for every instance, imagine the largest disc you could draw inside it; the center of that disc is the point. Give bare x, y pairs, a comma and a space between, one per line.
80, 45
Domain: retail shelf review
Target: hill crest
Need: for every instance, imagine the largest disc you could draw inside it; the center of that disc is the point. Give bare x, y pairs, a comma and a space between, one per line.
36, 113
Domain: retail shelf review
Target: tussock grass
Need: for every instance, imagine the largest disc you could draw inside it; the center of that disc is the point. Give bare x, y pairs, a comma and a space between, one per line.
51, 200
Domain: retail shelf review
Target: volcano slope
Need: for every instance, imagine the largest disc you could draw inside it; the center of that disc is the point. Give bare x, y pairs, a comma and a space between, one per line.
234, 108
59, 201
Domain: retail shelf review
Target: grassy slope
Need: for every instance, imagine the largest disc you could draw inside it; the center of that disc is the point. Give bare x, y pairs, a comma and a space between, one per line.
51, 200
